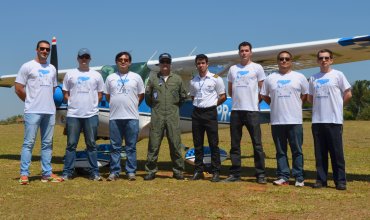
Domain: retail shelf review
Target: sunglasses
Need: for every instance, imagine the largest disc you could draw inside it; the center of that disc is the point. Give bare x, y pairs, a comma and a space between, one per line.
165, 62
44, 48
324, 58
281, 59
123, 60
85, 56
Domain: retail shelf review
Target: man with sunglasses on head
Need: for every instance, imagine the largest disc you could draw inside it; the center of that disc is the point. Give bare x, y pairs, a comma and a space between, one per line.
285, 91
124, 91
83, 88
244, 81
35, 85
164, 94
207, 91
329, 90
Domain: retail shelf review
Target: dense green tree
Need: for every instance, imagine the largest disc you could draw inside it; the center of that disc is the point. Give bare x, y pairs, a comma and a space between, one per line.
360, 99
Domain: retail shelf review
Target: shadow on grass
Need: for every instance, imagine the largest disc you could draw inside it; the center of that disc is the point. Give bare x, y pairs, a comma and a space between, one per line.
166, 167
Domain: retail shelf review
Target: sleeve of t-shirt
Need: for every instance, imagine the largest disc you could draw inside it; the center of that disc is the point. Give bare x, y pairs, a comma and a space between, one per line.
220, 86
260, 73
22, 75
100, 83
344, 84
310, 86
141, 88
106, 86
55, 80
229, 76
265, 89
192, 89
65, 82
304, 85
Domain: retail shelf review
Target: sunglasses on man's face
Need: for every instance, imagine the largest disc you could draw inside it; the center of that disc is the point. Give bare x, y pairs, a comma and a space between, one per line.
125, 60
324, 58
44, 48
165, 62
85, 56
281, 59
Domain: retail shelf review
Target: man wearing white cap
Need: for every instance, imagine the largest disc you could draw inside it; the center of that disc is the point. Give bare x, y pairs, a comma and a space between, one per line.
83, 88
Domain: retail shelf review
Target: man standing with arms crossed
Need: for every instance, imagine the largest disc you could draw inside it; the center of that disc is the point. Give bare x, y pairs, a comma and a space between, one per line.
207, 91
35, 85
164, 94
124, 91
285, 91
329, 90
83, 88
244, 81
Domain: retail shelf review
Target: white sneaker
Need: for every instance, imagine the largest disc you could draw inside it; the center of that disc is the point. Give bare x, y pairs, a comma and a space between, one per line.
281, 182
299, 184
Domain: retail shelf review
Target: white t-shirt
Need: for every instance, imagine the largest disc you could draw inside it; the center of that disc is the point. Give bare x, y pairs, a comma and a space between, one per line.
206, 90
83, 90
124, 90
285, 91
39, 81
245, 85
327, 90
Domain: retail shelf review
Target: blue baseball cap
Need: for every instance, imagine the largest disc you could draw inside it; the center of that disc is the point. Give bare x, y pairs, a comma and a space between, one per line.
84, 51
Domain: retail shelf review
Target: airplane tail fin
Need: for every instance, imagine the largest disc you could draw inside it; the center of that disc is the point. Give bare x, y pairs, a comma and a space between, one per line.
54, 55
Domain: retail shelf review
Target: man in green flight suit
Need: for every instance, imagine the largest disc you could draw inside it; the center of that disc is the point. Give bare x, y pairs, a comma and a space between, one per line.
165, 93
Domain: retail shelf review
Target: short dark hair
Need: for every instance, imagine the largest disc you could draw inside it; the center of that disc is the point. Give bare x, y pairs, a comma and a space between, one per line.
201, 57
245, 43
123, 53
284, 51
325, 51
40, 42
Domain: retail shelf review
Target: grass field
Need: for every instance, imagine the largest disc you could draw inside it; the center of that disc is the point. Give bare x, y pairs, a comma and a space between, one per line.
166, 198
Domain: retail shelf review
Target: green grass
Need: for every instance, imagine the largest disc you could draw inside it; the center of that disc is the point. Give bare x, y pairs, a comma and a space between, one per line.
166, 198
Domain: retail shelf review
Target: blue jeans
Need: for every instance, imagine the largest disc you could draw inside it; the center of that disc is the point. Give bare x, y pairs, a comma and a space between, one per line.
282, 134
89, 126
32, 122
129, 129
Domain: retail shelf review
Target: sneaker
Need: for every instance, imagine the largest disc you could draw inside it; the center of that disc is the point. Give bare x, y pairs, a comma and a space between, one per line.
24, 180
299, 183
52, 178
131, 177
112, 177
261, 180
232, 178
96, 178
281, 182
341, 186
66, 177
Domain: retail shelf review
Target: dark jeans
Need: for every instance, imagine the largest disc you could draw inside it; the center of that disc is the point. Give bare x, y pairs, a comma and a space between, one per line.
205, 120
90, 130
282, 134
328, 139
250, 119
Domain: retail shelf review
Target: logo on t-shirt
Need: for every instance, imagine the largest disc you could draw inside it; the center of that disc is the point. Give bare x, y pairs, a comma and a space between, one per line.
321, 87
283, 89
82, 84
121, 88
241, 78
44, 77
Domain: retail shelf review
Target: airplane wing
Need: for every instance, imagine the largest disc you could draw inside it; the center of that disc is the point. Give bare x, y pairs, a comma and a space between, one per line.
345, 50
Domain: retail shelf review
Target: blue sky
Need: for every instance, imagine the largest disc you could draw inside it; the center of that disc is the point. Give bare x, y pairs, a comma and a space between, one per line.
143, 27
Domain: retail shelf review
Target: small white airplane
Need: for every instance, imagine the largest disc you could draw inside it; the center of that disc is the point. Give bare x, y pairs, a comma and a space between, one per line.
346, 50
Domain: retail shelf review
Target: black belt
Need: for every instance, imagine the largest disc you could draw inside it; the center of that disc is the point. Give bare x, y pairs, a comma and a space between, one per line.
205, 109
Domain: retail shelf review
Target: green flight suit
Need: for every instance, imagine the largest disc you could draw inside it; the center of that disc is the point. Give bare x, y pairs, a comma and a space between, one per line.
165, 98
